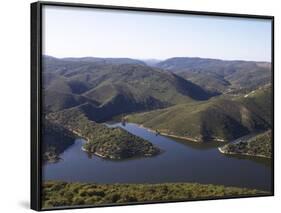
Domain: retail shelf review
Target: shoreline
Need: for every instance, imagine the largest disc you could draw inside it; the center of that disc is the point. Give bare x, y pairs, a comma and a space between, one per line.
180, 137
88, 141
242, 154
166, 134
188, 139
53, 158
106, 157
185, 138
98, 154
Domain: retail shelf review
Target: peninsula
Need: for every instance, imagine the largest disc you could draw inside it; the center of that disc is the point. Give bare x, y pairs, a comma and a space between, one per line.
105, 142
258, 146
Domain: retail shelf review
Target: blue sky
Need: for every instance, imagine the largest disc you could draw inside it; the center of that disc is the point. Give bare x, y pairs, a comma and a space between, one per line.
81, 32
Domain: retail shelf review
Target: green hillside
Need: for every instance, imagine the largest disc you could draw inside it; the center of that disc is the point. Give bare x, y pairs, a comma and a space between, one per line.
140, 81
220, 75
211, 82
259, 146
105, 142
260, 102
55, 101
221, 118
113, 87
160, 97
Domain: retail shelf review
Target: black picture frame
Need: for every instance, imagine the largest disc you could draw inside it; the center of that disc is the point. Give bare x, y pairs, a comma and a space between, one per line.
36, 92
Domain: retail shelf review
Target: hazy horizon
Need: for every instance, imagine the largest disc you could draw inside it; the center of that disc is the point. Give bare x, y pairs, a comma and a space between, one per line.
83, 32
146, 59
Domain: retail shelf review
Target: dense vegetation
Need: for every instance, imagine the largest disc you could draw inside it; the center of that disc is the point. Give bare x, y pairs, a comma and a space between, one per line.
68, 194
110, 87
220, 75
55, 140
222, 118
111, 143
191, 98
259, 146
101, 88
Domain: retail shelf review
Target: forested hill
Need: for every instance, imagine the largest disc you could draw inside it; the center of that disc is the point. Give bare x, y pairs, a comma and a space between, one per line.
112, 88
220, 75
222, 118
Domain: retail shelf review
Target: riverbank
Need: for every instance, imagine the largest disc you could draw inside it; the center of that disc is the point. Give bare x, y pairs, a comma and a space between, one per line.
179, 157
51, 157
258, 145
102, 141
101, 154
163, 133
87, 141
223, 151
188, 139
168, 135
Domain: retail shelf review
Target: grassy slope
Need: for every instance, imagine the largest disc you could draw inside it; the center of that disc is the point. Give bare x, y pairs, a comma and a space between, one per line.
259, 146
114, 86
104, 80
222, 117
68, 194
260, 103
138, 82
209, 81
55, 101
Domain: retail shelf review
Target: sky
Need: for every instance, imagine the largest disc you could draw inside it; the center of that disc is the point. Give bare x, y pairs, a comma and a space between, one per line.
87, 32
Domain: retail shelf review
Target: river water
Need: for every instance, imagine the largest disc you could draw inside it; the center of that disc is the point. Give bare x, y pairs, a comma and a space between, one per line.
179, 162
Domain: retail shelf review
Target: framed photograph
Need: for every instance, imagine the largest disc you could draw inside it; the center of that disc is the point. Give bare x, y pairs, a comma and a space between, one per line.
141, 105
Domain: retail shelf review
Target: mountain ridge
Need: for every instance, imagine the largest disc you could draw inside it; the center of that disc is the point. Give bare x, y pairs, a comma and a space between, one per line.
133, 87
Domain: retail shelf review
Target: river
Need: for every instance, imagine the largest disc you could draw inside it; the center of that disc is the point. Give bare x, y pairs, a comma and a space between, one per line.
180, 161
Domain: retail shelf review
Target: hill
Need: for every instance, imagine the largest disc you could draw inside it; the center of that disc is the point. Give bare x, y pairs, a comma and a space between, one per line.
220, 75
110, 89
140, 81
222, 118
258, 146
105, 142
52, 64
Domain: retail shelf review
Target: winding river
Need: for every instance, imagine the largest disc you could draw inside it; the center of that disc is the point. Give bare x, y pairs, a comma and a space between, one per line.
180, 161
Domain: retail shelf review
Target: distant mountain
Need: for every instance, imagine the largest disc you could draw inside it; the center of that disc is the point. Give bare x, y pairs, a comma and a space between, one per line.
73, 65
49, 61
105, 60
220, 75
103, 90
220, 118
151, 62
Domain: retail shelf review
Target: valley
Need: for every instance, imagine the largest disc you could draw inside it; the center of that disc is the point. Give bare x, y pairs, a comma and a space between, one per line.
122, 120
187, 98
180, 161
